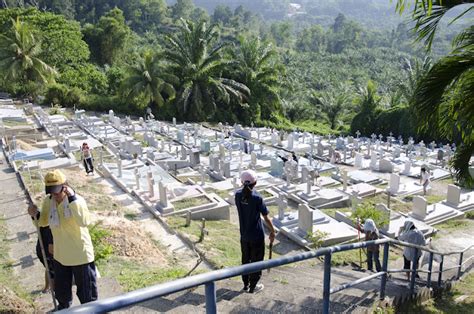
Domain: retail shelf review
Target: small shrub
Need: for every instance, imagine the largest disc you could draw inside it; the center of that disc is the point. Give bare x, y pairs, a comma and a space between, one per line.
102, 249
317, 238
366, 210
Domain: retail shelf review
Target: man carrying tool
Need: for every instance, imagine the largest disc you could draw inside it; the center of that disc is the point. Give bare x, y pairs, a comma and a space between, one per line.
250, 207
67, 215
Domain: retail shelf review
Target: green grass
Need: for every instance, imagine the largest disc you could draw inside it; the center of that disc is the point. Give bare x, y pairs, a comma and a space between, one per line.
453, 224
432, 199
332, 211
352, 257
12, 123
221, 193
470, 215
446, 303
190, 202
7, 276
132, 275
265, 193
221, 245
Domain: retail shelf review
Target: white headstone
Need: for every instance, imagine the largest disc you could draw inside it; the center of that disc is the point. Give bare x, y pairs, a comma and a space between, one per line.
253, 160
373, 160
305, 219
163, 196
407, 168
454, 195
290, 142
282, 204
355, 200
358, 161
119, 166
385, 212
394, 183
344, 179
419, 207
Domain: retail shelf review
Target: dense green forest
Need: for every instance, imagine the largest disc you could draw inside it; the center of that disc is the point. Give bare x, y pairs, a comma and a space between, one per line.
245, 61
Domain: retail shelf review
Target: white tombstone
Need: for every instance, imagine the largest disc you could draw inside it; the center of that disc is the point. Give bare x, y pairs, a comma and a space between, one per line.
419, 207
344, 179
407, 167
274, 138
203, 175
253, 160
309, 184
355, 200
151, 183
111, 115
174, 121
282, 204
358, 161
304, 174
385, 212
373, 160
454, 195
137, 178
183, 152
67, 145
119, 166
305, 219
290, 141
385, 165
163, 196
221, 151
226, 169
394, 183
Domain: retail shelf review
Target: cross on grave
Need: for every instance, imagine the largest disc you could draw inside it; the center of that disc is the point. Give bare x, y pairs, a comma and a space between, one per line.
151, 183
163, 196
137, 178
374, 137
119, 166
357, 133
282, 204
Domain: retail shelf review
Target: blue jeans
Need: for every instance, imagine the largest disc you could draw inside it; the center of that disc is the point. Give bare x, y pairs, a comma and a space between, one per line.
373, 255
85, 279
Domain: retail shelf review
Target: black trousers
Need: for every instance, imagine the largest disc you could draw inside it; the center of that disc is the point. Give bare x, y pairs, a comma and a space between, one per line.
252, 251
88, 165
373, 256
84, 278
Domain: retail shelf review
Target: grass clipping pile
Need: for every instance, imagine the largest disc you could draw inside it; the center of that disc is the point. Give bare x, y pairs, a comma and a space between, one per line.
11, 303
131, 242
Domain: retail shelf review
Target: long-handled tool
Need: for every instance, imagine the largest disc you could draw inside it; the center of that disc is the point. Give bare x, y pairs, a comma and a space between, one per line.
43, 253
360, 250
270, 248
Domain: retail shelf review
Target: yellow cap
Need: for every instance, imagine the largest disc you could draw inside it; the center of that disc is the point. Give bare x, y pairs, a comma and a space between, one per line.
54, 181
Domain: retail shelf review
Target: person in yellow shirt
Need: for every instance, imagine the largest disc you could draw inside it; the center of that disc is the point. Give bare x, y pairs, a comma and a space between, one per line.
67, 215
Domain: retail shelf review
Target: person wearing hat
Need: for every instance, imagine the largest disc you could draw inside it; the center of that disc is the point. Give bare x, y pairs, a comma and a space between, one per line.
67, 215
250, 207
372, 233
409, 233
87, 158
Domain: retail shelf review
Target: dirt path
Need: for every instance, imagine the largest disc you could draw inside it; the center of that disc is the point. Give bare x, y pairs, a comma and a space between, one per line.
22, 237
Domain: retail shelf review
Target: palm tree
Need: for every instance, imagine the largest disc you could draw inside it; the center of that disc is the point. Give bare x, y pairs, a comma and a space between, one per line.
332, 103
197, 61
19, 61
147, 78
256, 66
445, 95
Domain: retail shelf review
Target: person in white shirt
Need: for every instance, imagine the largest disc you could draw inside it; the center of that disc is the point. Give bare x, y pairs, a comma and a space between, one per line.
425, 179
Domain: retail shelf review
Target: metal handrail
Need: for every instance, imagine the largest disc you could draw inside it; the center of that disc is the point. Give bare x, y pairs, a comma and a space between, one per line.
208, 279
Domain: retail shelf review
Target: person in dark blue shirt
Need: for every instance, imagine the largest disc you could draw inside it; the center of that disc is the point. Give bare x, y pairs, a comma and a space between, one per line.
251, 207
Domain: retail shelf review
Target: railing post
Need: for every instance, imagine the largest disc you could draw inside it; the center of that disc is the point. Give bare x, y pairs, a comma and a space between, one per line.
383, 283
460, 264
211, 307
440, 275
327, 282
413, 272
430, 268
